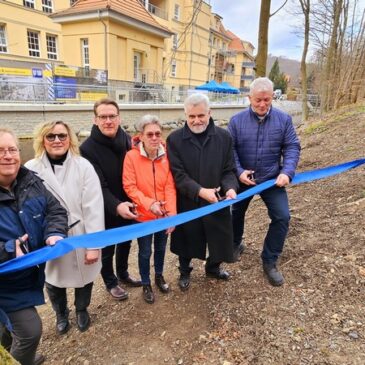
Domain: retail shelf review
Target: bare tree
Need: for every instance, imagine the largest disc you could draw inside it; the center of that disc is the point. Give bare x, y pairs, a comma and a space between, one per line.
305, 5
261, 57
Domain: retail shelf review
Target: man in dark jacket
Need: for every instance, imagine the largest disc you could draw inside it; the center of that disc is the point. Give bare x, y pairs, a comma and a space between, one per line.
30, 218
202, 164
105, 149
265, 147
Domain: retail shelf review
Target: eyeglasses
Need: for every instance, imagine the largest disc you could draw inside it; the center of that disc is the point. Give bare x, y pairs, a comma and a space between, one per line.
12, 151
104, 118
51, 137
152, 134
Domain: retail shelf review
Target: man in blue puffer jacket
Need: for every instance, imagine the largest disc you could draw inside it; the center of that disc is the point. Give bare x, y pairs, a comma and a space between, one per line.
30, 218
265, 147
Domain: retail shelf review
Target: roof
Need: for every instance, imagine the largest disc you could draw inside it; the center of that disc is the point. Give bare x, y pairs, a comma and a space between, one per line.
132, 11
238, 44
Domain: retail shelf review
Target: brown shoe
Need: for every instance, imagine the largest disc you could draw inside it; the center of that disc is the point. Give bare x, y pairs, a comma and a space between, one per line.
118, 293
130, 281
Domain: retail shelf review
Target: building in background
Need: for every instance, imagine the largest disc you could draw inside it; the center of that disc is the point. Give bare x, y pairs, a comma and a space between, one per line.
124, 44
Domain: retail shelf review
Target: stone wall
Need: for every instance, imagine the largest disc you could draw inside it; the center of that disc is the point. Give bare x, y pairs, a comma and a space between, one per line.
22, 118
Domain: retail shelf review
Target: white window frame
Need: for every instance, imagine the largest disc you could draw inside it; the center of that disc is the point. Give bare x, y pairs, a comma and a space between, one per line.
85, 53
177, 12
29, 3
174, 41
47, 6
173, 68
33, 38
3, 39
52, 46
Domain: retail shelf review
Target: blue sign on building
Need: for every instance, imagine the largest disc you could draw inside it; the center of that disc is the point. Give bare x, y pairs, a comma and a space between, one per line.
37, 72
65, 87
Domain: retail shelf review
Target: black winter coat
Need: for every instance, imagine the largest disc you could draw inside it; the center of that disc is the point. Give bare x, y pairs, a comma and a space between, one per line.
107, 156
30, 209
194, 166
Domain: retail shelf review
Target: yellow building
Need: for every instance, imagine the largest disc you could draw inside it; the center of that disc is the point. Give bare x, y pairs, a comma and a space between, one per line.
200, 49
177, 44
27, 33
240, 63
118, 36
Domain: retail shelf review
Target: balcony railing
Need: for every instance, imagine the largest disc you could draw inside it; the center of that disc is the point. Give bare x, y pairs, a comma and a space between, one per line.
155, 10
247, 77
248, 64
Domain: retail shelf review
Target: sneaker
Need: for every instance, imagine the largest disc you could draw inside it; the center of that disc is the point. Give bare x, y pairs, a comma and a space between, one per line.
148, 295
273, 274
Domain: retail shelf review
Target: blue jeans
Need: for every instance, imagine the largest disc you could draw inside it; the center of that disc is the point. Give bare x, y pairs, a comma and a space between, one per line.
276, 201
145, 251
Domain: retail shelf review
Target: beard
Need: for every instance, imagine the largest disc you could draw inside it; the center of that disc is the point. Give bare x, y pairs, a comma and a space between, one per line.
197, 129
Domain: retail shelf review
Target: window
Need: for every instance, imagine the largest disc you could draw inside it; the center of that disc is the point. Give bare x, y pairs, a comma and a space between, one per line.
47, 6
85, 55
174, 41
28, 3
177, 12
173, 68
72, 2
51, 47
3, 43
33, 43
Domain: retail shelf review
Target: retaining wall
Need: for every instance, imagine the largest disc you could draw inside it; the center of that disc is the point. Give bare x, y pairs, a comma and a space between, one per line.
22, 118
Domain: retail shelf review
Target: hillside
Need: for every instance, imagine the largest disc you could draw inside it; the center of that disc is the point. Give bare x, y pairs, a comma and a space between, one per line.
317, 317
288, 66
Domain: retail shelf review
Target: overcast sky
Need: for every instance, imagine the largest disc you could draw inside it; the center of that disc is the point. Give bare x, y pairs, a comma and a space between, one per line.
242, 18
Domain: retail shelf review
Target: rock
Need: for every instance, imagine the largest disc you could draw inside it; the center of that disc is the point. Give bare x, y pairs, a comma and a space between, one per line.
354, 335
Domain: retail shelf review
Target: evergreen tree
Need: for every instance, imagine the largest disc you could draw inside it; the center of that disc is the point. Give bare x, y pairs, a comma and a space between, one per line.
278, 78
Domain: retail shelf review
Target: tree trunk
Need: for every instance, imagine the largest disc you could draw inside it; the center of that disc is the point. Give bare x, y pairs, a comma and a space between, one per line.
305, 4
261, 57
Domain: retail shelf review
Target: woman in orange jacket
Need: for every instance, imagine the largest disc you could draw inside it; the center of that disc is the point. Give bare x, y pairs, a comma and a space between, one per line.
148, 182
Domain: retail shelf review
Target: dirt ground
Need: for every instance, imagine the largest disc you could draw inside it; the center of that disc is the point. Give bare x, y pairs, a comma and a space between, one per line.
317, 317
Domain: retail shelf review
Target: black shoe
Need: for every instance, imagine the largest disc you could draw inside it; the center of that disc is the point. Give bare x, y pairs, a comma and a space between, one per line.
148, 295
83, 320
161, 283
39, 359
62, 323
184, 282
131, 281
220, 274
238, 251
273, 274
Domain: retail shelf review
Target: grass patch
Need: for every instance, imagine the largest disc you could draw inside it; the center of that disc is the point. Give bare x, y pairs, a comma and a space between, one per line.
316, 127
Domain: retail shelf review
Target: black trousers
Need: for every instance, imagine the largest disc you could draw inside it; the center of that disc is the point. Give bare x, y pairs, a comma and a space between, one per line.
121, 251
23, 341
58, 297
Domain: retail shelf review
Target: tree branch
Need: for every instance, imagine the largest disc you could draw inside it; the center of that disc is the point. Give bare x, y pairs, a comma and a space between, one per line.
278, 9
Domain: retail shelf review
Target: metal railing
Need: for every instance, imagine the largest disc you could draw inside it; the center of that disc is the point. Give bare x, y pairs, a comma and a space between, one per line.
18, 92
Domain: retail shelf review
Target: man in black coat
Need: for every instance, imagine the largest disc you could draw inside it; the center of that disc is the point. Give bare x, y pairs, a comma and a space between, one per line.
202, 164
105, 149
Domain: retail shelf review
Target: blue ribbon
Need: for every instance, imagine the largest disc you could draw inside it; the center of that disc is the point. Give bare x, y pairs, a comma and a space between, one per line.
122, 234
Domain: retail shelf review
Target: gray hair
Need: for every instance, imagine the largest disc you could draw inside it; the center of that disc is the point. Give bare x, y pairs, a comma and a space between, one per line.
4, 130
196, 99
146, 120
261, 84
